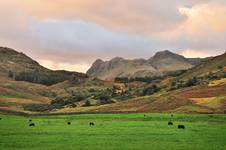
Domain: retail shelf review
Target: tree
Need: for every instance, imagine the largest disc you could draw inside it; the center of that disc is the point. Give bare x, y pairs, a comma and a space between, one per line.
43, 78
87, 103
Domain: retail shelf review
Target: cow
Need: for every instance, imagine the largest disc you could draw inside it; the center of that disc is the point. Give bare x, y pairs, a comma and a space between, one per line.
31, 124
170, 123
91, 124
69, 123
181, 127
30, 120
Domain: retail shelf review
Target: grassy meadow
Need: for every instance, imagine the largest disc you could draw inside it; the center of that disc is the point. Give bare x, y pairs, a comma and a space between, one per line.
113, 132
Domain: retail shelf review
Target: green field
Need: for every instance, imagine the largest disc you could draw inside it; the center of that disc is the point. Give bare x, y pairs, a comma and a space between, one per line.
113, 132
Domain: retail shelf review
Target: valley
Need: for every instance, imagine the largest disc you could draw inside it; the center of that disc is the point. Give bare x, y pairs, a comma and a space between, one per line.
200, 87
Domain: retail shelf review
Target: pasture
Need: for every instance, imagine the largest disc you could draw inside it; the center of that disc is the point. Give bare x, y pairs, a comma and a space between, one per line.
113, 132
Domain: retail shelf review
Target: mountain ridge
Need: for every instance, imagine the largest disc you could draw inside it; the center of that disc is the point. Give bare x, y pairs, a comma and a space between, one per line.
160, 63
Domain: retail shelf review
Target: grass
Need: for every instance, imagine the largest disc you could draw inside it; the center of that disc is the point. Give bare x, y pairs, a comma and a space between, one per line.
113, 131
217, 82
211, 102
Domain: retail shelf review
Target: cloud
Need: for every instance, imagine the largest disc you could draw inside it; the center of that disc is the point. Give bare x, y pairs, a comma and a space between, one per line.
134, 16
189, 53
64, 65
73, 33
204, 19
77, 42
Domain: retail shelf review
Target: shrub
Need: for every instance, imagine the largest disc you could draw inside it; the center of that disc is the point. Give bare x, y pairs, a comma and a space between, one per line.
150, 90
73, 99
58, 102
124, 96
221, 67
147, 79
122, 79
10, 74
105, 98
87, 103
92, 90
192, 82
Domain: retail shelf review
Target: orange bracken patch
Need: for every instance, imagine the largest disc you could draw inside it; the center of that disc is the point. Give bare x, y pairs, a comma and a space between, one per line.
204, 92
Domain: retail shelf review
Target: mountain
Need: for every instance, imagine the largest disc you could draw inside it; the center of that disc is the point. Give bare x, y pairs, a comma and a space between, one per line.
119, 67
160, 63
166, 61
22, 68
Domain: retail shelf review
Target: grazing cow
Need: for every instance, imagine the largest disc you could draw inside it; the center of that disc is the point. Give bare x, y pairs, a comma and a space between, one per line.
69, 123
181, 127
31, 124
170, 123
91, 124
30, 120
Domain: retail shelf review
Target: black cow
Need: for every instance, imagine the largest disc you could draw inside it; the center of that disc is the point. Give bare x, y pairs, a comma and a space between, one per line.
31, 124
30, 120
91, 124
170, 123
181, 127
69, 123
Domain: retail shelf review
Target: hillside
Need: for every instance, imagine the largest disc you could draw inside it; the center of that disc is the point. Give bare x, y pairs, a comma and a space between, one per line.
212, 65
159, 64
15, 95
22, 68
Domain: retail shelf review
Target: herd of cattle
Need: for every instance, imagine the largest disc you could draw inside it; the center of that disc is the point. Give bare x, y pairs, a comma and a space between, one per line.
69, 123
31, 124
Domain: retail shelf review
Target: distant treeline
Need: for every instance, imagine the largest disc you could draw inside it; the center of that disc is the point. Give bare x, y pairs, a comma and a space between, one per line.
141, 79
46, 78
148, 79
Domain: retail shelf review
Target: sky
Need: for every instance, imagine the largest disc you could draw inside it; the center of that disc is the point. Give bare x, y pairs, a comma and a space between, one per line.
72, 34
